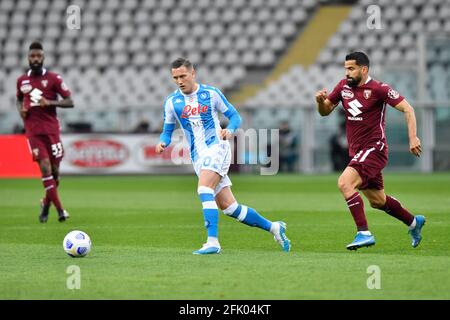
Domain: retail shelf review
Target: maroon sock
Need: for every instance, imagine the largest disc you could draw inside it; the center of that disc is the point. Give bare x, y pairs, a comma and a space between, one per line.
51, 192
47, 200
356, 205
394, 208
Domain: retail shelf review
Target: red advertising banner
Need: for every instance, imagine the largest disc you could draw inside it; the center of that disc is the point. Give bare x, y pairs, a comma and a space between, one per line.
93, 154
15, 158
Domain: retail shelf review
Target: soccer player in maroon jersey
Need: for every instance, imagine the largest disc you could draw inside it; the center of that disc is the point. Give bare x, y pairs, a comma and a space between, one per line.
37, 100
364, 101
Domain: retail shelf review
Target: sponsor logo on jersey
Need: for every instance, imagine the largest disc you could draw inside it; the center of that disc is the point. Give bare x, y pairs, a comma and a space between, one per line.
97, 153
44, 83
198, 123
35, 97
355, 108
347, 94
25, 88
355, 118
193, 111
36, 152
367, 93
393, 94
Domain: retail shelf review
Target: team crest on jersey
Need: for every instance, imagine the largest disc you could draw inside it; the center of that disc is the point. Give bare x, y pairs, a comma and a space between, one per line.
393, 94
25, 88
347, 94
204, 95
367, 93
44, 83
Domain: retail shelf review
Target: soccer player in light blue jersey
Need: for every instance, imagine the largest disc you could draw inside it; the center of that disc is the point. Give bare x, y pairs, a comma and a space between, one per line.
196, 106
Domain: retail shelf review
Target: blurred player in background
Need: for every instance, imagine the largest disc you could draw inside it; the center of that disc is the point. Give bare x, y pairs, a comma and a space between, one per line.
37, 99
364, 100
196, 107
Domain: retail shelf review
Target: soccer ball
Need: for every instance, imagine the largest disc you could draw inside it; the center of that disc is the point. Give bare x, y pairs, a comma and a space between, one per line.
77, 244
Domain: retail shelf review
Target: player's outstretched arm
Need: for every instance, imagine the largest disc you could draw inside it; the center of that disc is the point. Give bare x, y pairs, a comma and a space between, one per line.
160, 147
64, 103
234, 123
225, 134
414, 142
165, 138
324, 105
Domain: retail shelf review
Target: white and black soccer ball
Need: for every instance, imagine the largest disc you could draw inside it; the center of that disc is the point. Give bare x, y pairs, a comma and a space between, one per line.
77, 244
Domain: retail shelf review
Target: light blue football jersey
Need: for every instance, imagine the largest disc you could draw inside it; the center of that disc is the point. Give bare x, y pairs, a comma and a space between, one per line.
198, 115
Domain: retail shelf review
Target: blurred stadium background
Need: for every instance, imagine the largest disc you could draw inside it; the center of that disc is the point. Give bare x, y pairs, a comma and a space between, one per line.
268, 56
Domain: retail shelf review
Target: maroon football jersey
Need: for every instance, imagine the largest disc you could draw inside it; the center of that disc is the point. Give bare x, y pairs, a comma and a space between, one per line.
30, 89
365, 109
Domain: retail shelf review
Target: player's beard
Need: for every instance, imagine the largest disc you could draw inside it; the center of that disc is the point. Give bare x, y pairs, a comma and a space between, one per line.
353, 82
36, 67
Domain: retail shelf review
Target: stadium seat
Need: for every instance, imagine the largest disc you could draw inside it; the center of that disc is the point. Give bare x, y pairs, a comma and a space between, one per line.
240, 35
101, 45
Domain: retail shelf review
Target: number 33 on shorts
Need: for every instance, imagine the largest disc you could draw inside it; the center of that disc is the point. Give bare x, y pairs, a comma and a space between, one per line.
57, 150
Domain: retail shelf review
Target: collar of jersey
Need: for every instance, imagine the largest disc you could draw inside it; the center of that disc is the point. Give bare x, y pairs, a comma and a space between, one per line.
44, 71
192, 93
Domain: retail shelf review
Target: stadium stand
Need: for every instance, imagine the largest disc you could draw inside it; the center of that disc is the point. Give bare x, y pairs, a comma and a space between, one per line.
126, 47
119, 58
394, 44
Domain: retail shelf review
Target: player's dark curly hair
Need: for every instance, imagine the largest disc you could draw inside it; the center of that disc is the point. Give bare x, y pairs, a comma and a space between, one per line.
179, 62
36, 45
360, 57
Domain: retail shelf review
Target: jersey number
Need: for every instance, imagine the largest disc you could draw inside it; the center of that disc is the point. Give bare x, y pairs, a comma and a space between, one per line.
57, 150
356, 157
354, 105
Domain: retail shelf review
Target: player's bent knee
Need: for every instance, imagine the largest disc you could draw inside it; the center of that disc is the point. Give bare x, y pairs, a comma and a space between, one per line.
222, 205
343, 185
377, 204
347, 189
225, 202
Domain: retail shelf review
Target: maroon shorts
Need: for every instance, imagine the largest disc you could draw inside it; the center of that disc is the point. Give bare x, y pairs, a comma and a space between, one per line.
46, 147
369, 162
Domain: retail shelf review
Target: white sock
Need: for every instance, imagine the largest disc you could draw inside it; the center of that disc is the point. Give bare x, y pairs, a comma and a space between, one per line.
366, 233
213, 241
413, 224
274, 227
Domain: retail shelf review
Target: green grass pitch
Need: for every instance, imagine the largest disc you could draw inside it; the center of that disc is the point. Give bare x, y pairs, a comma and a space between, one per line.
144, 230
